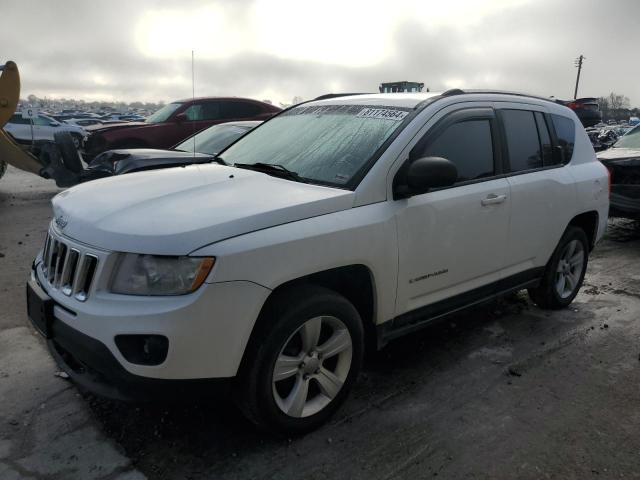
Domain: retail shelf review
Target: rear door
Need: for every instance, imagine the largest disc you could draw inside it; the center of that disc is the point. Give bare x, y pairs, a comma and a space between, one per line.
542, 190
452, 241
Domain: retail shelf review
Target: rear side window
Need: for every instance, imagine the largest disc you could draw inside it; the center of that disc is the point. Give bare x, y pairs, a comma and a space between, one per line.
468, 145
240, 110
566, 133
17, 118
522, 140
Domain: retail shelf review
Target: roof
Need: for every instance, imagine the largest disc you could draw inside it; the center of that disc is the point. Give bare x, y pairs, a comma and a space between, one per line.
184, 100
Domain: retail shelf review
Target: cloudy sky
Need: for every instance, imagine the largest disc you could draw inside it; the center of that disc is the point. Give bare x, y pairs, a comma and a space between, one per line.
277, 49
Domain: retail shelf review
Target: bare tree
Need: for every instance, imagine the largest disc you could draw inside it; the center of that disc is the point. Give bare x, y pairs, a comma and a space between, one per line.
618, 102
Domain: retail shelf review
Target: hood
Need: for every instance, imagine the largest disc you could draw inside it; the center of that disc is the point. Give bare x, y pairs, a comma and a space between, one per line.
178, 210
117, 162
618, 154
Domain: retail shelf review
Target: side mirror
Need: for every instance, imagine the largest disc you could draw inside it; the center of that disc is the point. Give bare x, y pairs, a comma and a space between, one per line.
426, 173
181, 117
54, 124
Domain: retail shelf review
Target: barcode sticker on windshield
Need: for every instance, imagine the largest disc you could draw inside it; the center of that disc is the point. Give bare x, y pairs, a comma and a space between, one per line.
383, 113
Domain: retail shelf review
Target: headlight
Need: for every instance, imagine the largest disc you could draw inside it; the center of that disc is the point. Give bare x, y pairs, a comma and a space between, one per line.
160, 275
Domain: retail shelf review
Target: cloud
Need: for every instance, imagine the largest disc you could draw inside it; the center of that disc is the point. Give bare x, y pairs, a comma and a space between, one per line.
123, 50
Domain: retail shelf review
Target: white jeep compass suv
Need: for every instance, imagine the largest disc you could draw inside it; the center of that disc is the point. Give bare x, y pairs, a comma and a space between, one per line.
335, 225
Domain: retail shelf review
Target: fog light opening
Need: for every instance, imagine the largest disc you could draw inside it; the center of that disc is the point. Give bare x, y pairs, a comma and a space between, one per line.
143, 349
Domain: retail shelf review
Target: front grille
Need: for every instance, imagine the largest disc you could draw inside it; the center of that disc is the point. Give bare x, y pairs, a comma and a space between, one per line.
67, 268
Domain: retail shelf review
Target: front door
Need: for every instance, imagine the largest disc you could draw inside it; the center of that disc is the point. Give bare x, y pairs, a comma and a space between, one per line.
452, 241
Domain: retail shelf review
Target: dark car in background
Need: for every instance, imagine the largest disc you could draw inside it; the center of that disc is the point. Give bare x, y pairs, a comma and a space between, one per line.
586, 109
175, 122
200, 148
623, 162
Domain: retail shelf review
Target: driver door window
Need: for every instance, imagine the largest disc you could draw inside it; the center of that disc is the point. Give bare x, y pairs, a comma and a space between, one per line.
203, 111
468, 144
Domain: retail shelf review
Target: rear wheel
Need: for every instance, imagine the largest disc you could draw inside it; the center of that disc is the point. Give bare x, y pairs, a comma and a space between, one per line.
77, 140
307, 357
3, 168
565, 271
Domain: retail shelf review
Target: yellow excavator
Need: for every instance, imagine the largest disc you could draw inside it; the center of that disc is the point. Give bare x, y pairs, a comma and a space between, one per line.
58, 160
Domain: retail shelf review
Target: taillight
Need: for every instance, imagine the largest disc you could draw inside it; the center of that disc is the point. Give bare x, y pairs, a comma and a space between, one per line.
573, 105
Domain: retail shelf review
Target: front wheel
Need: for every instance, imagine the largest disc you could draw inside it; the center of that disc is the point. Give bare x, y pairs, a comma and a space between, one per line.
565, 271
303, 360
3, 168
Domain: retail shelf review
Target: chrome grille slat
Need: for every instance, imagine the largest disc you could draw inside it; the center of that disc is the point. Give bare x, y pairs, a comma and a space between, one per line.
60, 259
68, 268
53, 253
69, 271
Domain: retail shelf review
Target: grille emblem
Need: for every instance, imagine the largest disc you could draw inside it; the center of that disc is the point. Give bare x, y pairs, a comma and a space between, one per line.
61, 221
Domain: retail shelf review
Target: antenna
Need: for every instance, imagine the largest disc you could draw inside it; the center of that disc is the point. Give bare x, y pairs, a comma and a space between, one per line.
193, 97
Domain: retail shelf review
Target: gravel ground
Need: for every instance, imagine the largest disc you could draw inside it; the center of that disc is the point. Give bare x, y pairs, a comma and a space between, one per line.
499, 392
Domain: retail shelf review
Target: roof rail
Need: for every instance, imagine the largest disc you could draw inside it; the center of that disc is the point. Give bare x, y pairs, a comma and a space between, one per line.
457, 91
452, 91
336, 95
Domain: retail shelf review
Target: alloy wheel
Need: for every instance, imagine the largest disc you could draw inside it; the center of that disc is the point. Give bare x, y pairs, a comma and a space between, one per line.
569, 270
312, 366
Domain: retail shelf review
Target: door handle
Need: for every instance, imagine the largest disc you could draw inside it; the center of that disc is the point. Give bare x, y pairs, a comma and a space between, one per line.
493, 199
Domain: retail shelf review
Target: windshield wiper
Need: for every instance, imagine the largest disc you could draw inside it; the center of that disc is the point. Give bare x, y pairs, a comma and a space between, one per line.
272, 169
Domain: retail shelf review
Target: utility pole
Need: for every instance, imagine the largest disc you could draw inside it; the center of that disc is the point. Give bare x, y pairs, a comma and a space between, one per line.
578, 64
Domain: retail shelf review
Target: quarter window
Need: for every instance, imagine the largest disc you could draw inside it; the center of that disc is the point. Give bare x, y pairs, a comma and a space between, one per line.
468, 145
545, 140
522, 140
566, 133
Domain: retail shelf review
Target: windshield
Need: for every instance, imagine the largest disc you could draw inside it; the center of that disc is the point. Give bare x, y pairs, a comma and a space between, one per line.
213, 139
164, 113
630, 140
325, 144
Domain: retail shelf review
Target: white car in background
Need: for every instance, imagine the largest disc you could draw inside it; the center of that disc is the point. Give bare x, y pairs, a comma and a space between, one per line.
44, 128
335, 226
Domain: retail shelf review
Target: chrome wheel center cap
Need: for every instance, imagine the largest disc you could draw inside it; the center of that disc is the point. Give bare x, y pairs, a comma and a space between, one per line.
311, 364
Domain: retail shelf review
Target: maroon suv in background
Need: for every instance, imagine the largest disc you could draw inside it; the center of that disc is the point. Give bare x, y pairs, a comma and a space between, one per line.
175, 122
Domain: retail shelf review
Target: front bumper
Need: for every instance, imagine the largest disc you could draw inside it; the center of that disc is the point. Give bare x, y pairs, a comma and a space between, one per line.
207, 332
92, 367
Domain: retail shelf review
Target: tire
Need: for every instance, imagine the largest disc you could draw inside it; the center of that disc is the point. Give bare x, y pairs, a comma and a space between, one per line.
565, 271
287, 335
3, 168
69, 152
77, 140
